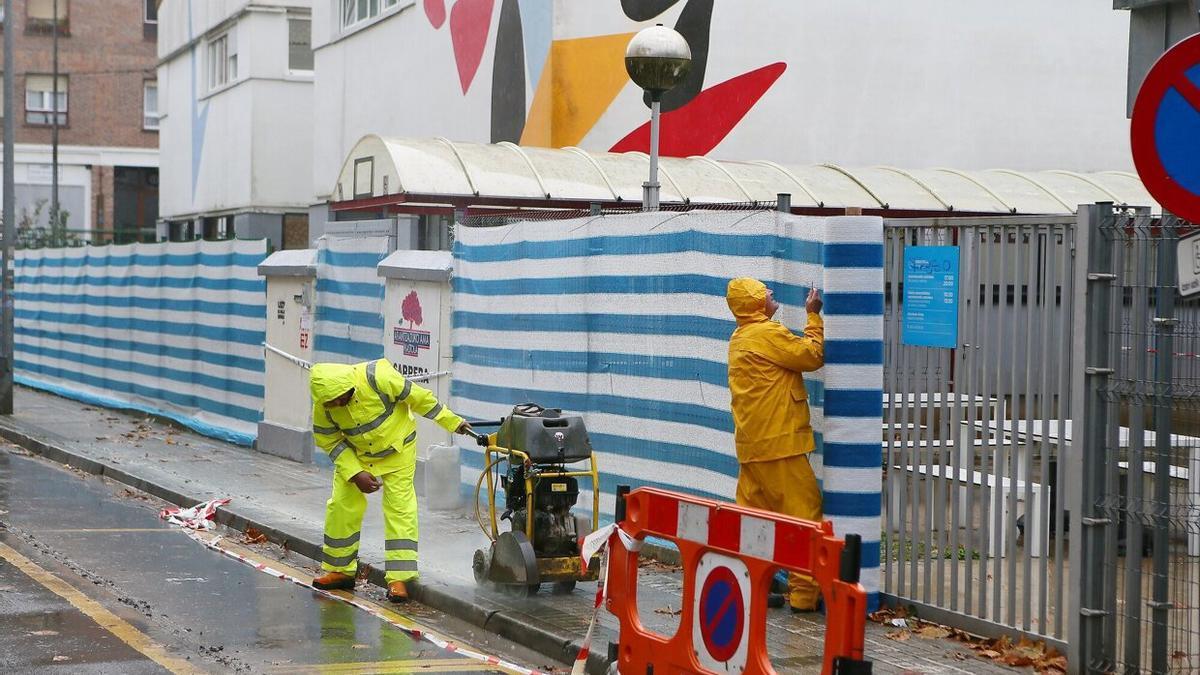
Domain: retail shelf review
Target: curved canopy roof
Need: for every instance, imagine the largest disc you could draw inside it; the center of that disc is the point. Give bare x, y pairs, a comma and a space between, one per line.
379, 167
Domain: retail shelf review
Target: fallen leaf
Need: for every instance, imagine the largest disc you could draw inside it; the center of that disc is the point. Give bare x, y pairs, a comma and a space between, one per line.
960, 656
961, 635
1058, 664
652, 565
1018, 661
253, 536
1177, 655
898, 635
990, 654
44, 632
933, 632
667, 610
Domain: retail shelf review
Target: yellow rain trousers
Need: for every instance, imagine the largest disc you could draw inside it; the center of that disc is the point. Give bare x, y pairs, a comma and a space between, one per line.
772, 425
376, 433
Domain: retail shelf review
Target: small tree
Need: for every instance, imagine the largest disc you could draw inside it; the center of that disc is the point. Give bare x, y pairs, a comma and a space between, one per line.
32, 234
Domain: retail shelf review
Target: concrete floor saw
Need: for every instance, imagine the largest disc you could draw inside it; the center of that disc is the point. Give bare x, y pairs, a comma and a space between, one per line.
530, 458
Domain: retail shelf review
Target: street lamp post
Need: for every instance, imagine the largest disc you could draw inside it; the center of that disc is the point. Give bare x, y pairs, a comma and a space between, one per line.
10, 224
657, 59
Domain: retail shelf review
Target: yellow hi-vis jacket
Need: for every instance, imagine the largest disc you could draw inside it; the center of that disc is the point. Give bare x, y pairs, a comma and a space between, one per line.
770, 404
375, 432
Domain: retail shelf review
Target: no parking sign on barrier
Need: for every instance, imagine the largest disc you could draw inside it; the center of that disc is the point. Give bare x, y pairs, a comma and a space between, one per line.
721, 621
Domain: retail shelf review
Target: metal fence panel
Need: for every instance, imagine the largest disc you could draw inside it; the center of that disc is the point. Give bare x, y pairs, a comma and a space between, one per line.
973, 435
1140, 458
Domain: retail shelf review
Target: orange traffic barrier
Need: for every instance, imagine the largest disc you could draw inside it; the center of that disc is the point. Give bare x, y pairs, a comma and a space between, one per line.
730, 554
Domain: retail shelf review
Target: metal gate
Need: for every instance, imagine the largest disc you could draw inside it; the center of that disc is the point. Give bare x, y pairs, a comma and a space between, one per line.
1139, 459
973, 435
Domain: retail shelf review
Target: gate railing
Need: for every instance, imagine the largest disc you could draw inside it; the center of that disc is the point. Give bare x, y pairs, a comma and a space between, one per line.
972, 436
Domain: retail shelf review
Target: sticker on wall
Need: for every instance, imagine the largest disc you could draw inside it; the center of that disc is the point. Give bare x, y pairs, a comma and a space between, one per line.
412, 339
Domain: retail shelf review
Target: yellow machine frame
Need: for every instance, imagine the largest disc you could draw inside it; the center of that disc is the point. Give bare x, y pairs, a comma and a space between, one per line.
510, 454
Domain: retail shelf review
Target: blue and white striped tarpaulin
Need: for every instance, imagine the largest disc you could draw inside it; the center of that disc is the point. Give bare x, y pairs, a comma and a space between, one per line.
623, 319
173, 329
349, 318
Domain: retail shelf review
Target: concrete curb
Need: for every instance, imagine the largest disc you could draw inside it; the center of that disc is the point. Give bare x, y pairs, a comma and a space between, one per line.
550, 643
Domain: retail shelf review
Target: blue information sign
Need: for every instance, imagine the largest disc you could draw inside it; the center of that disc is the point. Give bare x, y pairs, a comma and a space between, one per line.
930, 316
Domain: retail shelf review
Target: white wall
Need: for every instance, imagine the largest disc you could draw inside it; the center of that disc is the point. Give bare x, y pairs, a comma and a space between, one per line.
1025, 84
253, 135
395, 77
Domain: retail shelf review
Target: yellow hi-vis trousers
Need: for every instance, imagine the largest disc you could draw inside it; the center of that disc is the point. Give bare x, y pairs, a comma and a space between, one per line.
343, 524
789, 487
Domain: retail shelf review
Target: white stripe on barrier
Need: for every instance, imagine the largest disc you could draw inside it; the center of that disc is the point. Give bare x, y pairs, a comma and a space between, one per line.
693, 522
757, 537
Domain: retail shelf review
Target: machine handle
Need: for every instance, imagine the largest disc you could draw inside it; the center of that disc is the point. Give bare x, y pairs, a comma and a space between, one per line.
482, 439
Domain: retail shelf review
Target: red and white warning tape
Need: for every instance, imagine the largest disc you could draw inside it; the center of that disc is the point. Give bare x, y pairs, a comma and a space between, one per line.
199, 517
593, 544
190, 521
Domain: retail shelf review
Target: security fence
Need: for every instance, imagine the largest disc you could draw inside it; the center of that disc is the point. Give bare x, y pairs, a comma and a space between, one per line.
973, 434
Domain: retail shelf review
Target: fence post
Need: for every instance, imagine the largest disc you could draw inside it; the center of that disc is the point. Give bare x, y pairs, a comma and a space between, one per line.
1164, 345
1090, 612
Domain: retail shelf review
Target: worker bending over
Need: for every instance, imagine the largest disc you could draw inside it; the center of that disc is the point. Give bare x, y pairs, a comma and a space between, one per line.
363, 417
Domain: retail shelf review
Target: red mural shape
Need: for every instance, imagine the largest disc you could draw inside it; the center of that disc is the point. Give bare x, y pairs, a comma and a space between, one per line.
470, 21
699, 126
435, 10
410, 309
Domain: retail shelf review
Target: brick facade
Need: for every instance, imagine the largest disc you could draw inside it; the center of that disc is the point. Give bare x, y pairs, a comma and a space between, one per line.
103, 197
107, 52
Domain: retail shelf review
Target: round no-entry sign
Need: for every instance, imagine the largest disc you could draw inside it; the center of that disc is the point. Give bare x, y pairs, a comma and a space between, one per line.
721, 613
1165, 130
721, 607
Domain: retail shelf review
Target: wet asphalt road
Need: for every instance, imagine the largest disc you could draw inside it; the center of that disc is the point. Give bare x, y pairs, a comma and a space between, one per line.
91, 581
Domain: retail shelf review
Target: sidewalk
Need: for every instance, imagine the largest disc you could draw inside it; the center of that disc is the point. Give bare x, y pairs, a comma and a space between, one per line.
286, 501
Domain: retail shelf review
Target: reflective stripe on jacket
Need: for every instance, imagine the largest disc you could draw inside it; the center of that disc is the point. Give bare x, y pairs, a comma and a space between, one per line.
375, 432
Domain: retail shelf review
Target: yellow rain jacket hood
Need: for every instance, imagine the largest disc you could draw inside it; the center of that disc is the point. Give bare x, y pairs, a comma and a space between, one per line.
330, 380
769, 401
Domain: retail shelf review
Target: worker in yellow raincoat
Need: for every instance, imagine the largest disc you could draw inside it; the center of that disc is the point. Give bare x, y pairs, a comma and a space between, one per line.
772, 428
363, 417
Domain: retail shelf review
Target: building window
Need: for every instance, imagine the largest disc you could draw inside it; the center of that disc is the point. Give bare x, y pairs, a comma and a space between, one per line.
39, 100
40, 16
222, 61
150, 106
357, 11
300, 53
150, 20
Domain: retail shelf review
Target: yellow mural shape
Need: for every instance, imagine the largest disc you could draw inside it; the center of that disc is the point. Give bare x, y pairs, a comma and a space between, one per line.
581, 78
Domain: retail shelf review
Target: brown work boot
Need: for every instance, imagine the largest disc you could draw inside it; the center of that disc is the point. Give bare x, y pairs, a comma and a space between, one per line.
397, 592
334, 581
